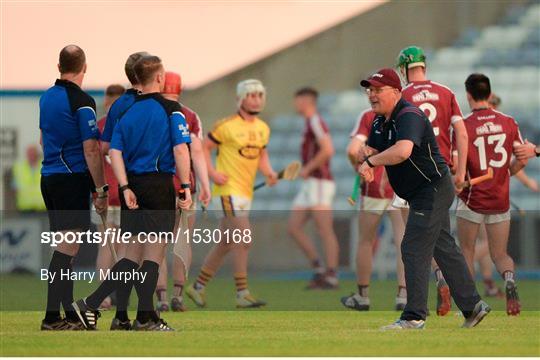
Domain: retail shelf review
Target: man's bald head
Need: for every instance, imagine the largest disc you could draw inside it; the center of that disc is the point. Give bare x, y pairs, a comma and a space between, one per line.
71, 60
130, 63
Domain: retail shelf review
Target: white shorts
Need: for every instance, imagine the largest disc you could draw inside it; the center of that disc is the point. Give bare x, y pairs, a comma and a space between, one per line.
374, 205
232, 205
464, 212
315, 192
113, 216
399, 203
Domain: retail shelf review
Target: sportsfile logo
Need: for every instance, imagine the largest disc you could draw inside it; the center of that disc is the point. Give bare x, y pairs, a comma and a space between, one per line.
118, 236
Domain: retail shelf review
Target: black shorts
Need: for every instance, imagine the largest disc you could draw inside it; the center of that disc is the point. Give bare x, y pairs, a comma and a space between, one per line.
67, 198
157, 203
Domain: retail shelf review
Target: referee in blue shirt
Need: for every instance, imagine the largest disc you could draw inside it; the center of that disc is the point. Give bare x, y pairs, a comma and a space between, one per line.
402, 140
149, 144
117, 110
123, 103
69, 135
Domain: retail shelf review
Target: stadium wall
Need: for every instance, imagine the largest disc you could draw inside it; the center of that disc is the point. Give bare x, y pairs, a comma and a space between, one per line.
336, 59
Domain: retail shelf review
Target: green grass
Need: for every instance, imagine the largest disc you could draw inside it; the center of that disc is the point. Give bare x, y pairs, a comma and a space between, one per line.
325, 329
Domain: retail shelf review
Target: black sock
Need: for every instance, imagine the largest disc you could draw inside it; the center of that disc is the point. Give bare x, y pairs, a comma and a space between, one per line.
56, 288
67, 298
363, 290
122, 300
109, 285
145, 290
123, 293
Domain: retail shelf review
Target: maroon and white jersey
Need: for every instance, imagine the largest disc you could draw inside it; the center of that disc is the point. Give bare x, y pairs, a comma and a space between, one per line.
114, 199
492, 135
380, 187
440, 106
314, 130
195, 128
193, 121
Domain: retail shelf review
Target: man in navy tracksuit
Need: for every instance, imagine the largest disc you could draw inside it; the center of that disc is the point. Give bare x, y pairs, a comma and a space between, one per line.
403, 141
149, 144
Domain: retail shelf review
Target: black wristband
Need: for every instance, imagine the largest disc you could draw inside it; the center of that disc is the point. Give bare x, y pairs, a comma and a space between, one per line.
185, 186
369, 162
536, 152
123, 187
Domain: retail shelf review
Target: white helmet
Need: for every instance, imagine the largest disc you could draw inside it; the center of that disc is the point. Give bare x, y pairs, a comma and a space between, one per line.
246, 87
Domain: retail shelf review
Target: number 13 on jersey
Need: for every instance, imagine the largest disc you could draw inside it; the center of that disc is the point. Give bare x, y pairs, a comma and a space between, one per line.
498, 140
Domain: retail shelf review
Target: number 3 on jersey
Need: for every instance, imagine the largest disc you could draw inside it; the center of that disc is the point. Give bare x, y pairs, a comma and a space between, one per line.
480, 143
431, 113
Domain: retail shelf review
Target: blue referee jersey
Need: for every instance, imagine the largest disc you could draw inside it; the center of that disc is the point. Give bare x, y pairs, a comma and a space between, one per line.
147, 133
67, 117
118, 108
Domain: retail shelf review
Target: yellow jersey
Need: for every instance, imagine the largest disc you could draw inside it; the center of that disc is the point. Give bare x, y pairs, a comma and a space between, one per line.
240, 143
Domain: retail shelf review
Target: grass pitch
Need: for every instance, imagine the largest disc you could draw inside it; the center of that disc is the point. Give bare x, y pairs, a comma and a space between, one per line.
296, 322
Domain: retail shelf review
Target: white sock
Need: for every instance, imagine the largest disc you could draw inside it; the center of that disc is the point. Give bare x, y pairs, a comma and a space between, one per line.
242, 293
